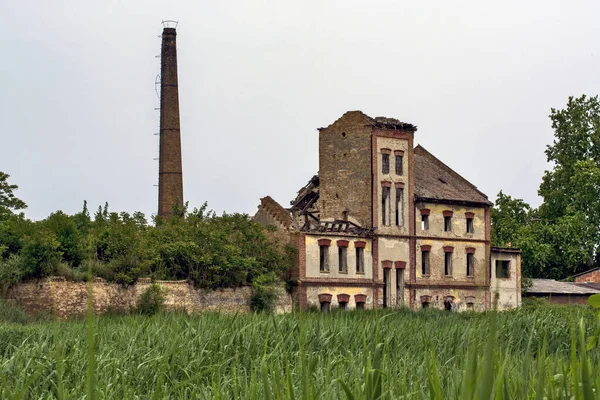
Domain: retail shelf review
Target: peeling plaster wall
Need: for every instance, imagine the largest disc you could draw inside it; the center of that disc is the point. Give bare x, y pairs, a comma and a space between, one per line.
507, 290
459, 263
459, 302
394, 250
69, 299
393, 144
314, 292
313, 258
459, 221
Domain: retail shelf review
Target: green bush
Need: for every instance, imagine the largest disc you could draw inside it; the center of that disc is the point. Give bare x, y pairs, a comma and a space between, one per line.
152, 300
264, 294
11, 272
11, 313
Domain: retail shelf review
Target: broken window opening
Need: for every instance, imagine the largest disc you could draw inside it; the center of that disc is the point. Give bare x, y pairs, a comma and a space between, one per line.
399, 206
398, 161
447, 224
425, 262
470, 227
324, 258
385, 206
448, 264
342, 259
360, 305
470, 263
360, 260
343, 305
502, 269
385, 163
425, 222
325, 306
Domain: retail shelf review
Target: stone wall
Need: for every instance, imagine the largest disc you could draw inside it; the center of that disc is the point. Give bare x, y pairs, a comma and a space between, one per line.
65, 299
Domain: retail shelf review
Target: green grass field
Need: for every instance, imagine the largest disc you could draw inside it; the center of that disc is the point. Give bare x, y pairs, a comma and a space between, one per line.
533, 352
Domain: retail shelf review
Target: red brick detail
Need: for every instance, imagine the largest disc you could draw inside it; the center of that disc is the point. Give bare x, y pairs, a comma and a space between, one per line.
448, 249
342, 243
425, 299
425, 211
400, 264
386, 184
386, 264
360, 298
400, 185
386, 151
399, 152
360, 244
447, 213
470, 250
590, 276
343, 298
425, 247
469, 215
325, 297
324, 242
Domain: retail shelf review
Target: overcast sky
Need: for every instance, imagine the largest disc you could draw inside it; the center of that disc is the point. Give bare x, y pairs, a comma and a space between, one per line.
256, 78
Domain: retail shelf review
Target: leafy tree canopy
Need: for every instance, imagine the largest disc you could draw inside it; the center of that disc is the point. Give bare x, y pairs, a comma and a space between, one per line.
8, 201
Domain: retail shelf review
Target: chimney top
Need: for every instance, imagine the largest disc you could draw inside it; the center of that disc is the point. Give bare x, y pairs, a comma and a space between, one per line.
169, 31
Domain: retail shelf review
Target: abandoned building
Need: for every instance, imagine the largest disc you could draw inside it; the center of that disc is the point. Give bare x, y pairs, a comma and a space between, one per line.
387, 224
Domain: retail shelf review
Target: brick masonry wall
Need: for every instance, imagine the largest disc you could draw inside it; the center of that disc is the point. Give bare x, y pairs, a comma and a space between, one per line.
593, 276
65, 299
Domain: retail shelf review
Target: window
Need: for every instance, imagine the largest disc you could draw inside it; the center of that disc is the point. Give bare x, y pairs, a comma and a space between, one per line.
470, 263
325, 306
425, 262
448, 264
360, 305
360, 260
343, 305
343, 260
425, 301
398, 163
425, 222
502, 269
470, 228
425, 304
324, 258
385, 163
399, 206
447, 224
385, 205
470, 306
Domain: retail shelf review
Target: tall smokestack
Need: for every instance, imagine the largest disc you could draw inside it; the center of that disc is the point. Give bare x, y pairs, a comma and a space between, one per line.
170, 172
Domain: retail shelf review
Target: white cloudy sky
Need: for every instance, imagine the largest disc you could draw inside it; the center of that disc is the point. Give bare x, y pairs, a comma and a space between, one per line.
258, 77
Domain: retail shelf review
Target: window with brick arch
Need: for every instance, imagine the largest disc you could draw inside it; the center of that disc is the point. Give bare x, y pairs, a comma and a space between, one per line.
360, 260
470, 264
448, 264
343, 259
324, 258
399, 206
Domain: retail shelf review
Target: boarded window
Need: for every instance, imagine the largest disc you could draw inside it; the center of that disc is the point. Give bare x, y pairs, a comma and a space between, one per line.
385, 205
447, 264
399, 206
502, 269
399, 165
343, 259
385, 163
360, 260
470, 263
425, 222
447, 224
324, 258
470, 228
425, 262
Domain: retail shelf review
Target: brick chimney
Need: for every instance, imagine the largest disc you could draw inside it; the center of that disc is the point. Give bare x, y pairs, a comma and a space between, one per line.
170, 172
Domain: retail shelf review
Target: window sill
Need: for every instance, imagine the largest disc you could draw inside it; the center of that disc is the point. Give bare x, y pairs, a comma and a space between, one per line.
448, 276
425, 275
343, 272
359, 273
470, 276
324, 272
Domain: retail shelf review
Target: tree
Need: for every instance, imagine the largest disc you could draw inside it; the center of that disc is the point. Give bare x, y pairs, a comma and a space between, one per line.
8, 201
571, 190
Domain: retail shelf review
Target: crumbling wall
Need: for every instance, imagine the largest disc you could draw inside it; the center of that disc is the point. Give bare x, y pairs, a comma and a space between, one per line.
65, 299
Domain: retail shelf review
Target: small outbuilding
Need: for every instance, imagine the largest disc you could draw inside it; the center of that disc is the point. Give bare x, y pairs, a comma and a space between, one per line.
560, 292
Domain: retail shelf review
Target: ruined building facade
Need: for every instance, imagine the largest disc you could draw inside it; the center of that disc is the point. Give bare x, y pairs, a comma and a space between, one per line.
387, 224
